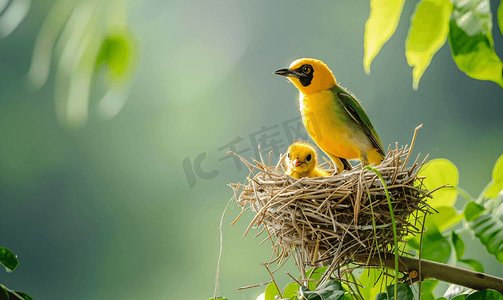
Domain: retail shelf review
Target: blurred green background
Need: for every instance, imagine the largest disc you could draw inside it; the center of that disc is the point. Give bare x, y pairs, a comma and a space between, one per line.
123, 208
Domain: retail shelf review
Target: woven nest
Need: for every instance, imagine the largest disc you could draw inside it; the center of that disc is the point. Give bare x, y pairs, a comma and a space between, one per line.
336, 220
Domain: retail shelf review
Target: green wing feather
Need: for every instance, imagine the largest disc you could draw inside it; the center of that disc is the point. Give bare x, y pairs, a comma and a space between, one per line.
355, 110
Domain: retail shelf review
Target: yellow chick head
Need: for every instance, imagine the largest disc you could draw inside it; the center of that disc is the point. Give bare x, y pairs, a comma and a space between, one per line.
301, 158
309, 75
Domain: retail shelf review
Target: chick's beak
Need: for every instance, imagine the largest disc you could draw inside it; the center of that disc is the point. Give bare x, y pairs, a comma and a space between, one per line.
296, 162
289, 73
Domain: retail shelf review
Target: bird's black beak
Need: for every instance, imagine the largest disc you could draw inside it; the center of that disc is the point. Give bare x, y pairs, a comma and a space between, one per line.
289, 73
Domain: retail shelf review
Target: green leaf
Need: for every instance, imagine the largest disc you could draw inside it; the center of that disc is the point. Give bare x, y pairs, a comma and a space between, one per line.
496, 184
459, 245
46, 40
473, 211
439, 172
271, 291
118, 52
475, 265
7, 294
403, 291
380, 26
488, 229
472, 42
485, 295
12, 16
373, 281
291, 290
435, 245
460, 297
446, 218
382, 296
427, 287
427, 33
28, 297
457, 292
8, 259
329, 290
316, 274
4, 294
495, 205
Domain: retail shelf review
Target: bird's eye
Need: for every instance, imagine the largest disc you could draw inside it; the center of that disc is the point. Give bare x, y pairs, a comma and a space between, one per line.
306, 69
308, 157
288, 156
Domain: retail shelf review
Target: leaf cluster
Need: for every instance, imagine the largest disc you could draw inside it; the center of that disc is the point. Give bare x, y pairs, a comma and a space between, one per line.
10, 262
482, 216
95, 53
336, 290
467, 24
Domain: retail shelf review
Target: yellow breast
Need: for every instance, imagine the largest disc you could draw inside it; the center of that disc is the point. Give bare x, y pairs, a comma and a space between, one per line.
328, 125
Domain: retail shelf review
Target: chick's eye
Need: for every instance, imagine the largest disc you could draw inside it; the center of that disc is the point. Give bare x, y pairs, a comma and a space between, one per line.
288, 155
308, 157
306, 69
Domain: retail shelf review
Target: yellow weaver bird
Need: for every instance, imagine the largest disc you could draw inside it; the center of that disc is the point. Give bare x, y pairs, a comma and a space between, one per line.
301, 161
333, 117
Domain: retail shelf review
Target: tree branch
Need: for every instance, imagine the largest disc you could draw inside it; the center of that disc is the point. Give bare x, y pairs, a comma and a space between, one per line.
443, 272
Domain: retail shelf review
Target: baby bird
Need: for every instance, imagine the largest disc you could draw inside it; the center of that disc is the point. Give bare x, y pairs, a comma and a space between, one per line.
301, 161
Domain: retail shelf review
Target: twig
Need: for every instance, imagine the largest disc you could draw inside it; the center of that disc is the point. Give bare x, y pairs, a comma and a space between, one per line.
440, 187
239, 216
272, 277
254, 285
411, 146
293, 278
